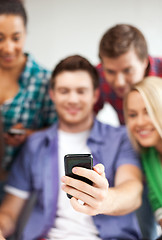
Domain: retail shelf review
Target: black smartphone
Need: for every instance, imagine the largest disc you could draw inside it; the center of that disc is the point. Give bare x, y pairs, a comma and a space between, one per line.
16, 131
77, 160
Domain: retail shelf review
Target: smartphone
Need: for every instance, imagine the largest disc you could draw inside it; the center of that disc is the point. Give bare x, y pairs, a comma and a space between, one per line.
16, 131
77, 160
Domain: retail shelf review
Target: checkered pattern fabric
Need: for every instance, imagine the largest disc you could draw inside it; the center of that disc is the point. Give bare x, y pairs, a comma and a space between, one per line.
31, 106
108, 95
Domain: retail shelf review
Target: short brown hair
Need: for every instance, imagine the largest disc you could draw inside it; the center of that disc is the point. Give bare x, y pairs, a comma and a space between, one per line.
75, 63
120, 39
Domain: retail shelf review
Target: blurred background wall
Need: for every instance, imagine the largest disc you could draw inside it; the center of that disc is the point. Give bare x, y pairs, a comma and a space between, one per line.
58, 28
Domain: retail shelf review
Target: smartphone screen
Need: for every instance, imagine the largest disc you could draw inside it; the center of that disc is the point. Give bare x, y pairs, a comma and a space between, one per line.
79, 160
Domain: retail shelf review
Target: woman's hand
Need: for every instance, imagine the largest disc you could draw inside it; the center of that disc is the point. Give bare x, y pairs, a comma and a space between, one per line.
17, 139
93, 196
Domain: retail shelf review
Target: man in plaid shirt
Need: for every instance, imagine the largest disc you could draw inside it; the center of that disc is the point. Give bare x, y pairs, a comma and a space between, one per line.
124, 61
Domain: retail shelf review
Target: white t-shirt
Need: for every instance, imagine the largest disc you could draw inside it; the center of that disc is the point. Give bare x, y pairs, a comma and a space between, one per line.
70, 224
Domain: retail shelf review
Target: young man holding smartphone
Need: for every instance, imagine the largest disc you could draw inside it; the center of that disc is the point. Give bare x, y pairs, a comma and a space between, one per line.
107, 205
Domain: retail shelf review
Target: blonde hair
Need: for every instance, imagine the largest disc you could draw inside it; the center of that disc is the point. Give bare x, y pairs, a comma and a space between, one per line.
150, 89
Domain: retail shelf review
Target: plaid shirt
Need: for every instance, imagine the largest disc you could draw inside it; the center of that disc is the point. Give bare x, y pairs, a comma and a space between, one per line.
31, 106
108, 95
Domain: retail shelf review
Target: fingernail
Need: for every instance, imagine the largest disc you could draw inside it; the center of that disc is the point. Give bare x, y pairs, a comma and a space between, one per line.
98, 169
74, 170
63, 179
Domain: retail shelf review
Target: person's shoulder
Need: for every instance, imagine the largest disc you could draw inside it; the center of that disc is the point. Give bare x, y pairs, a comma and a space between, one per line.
37, 68
109, 127
155, 62
108, 130
41, 138
99, 69
151, 58
155, 66
115, 139
99, 66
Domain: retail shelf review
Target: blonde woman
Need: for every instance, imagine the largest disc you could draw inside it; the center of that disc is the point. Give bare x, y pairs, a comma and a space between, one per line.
143, 115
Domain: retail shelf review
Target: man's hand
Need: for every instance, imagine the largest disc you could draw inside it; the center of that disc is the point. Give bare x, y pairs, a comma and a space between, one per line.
16, 139
123, 198
92, 196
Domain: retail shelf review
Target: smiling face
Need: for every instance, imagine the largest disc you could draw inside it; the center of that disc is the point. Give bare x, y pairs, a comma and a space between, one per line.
140, 123
12, 38
124, 71
74, 98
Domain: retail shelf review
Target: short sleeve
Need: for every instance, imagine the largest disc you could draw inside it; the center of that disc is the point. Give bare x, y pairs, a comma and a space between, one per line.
20, 176
126, 154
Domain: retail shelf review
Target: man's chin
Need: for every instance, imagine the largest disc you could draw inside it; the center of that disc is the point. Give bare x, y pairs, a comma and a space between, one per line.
120, 95
72, 120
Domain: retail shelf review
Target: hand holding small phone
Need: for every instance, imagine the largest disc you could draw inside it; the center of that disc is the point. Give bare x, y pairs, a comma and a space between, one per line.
16, 131
78, 160
16, 135
94, 196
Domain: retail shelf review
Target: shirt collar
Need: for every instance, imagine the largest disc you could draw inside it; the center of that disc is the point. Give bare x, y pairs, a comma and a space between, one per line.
95, 134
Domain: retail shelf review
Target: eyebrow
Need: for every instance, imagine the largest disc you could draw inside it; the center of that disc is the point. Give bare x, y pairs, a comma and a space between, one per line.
15, 33
127, 67
68, 87
131, 110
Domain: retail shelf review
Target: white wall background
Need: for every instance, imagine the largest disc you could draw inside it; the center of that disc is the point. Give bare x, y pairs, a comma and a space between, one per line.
58, 28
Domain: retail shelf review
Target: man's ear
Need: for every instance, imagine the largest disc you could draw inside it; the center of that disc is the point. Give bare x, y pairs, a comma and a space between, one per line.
51, 93
96, 95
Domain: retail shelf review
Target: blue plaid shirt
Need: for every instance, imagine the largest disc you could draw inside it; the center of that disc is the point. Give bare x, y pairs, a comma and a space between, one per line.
31, 106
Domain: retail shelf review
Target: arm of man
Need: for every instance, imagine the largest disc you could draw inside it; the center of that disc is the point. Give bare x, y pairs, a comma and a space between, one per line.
127, 193
99, 198
10, 210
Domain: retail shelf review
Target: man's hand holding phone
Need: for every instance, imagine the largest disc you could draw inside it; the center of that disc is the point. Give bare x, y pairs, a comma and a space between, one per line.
93, 195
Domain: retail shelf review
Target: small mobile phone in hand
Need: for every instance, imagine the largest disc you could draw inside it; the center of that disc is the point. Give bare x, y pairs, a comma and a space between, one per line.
16, 131
77, 160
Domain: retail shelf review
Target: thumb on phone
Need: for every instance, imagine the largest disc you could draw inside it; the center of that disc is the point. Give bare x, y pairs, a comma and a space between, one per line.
100, 169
